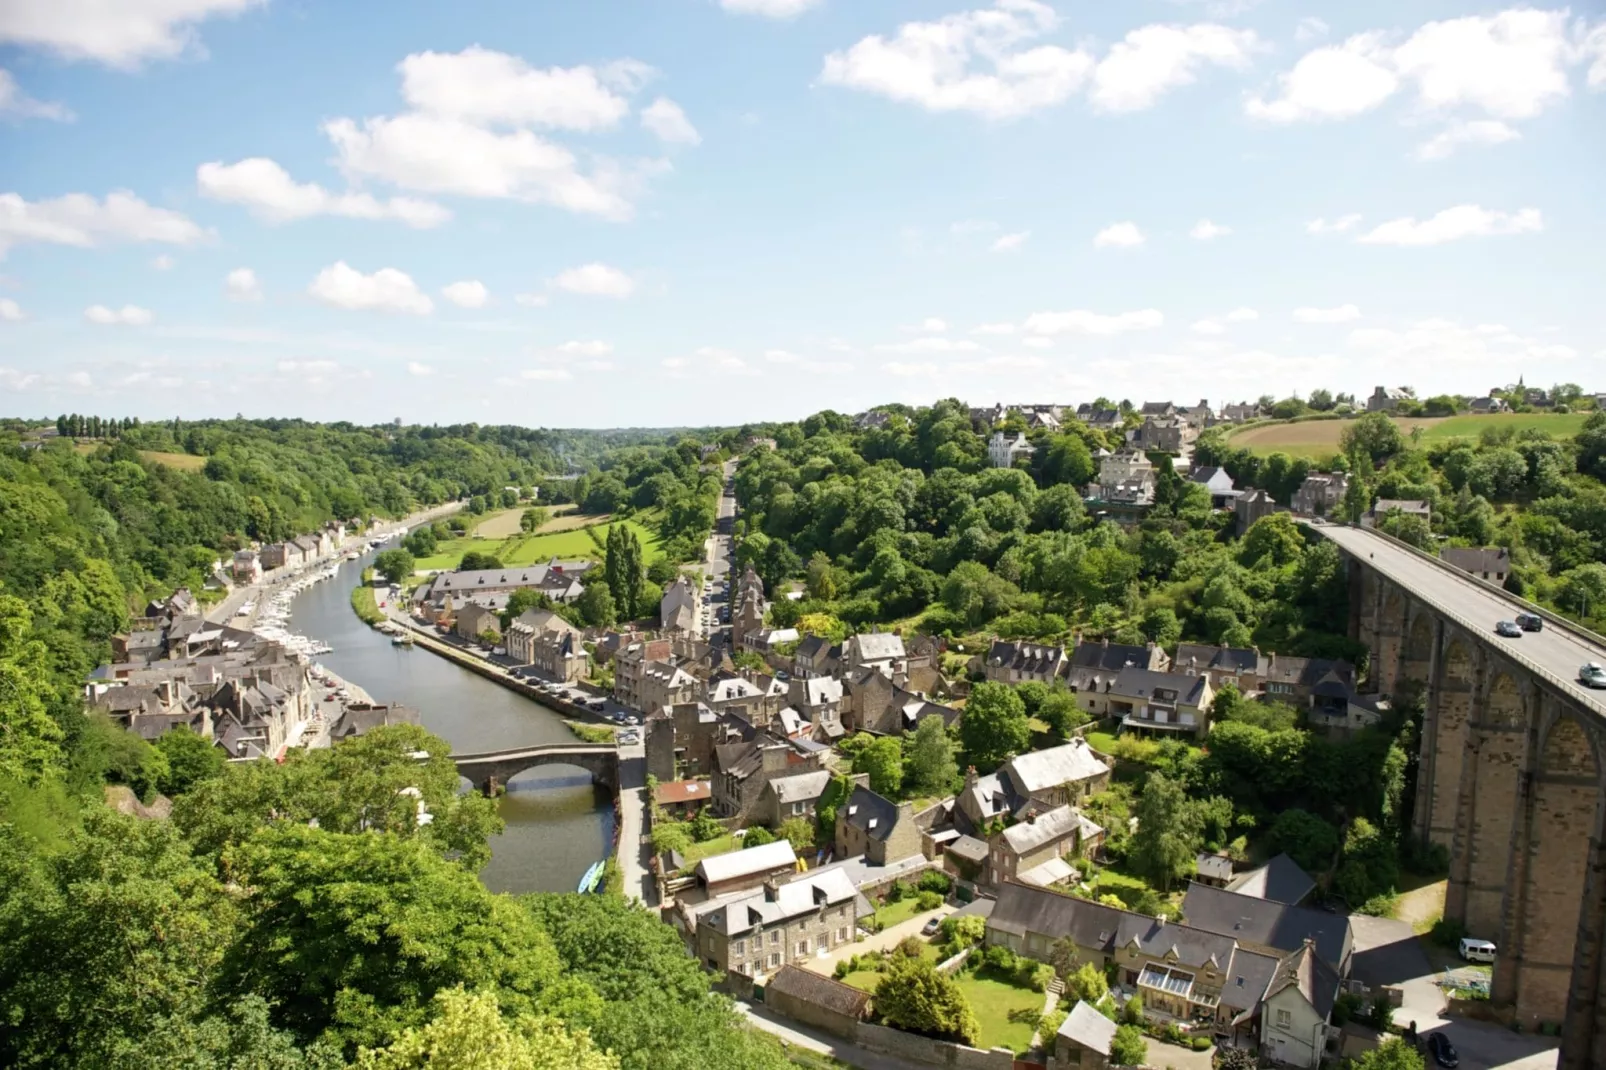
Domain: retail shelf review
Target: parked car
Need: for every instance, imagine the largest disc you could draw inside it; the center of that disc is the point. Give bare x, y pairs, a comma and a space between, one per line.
1530, 623
1442, 1050
1475, 950
1508, 629
931, 927
597, 705
1590, 674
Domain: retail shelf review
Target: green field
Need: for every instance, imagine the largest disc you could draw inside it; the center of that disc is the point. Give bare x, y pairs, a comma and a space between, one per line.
522, 549
992, 1001
1318, 439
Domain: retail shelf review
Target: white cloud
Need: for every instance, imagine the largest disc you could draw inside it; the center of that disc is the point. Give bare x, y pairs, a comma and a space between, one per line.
722, 359
14, 102
994, 328
482, 86
531, 300
547, 375
781, 356
1335, 82
1242, 315
79, 219
1154, 59
12, 379
1509, 65
416, 368
1008, 243
163, 262
593, 348
1341, 314
595, 280
1119, 236
929, 325
775, 9
1476, 132
10, 311
270, 193
127, 316
1309, 29
119, 34
1595, 45
930, 345
242, 285
82, 380
1452, 224
1208, 326
1335, 226
435, 154
906, 370
973, 226
315, 370
974, 61
665, 118
470, 293
1080, 321
1437, 344
1204, 230
387, 289
1038, 342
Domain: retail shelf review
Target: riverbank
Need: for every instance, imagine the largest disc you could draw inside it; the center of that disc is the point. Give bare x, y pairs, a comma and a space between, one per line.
365, 606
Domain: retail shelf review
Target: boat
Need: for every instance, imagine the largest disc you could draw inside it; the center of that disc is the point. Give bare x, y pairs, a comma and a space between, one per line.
588, 883
401, 640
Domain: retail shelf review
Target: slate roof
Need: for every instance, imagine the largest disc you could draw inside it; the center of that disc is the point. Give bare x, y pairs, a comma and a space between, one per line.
732, 688
1068, 763
1021, 909
1265, 922
969, 848
1088, 1028
875, 815
1148, 684
478, 579
1316, 980
1110, 657
812, 646
1305, 672
1246, 981
1025, 657
1281, 880
748, 862
819, 690
820, 991
878, 646
1199, 657
1217, 867
1487, 559
1409, 506
801, 787
1029, 835
743, 911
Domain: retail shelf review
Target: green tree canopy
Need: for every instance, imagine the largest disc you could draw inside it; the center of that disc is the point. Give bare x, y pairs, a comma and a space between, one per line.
994, 726
912, 995
930, 758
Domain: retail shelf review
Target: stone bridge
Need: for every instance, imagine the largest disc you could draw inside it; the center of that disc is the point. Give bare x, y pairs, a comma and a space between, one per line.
1511, 774
493, 769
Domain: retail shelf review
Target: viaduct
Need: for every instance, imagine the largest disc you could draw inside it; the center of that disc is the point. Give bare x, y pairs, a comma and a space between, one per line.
493, 769
1512, 777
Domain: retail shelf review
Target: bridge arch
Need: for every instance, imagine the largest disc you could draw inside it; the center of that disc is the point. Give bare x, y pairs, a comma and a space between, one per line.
493, 770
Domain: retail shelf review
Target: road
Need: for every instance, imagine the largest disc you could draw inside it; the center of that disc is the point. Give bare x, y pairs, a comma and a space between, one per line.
1557, 651
885, 940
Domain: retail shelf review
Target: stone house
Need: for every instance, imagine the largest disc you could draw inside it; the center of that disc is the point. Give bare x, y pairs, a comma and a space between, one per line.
1387, 399
1034, 850
1100, 419
786, 797
1162, 434
817, 1000
876, 828
1004, 450
560, 656
818, 698
1313, 683
629, 664
1321, 493
246, 567
1222, 664
1084, 1039
742, 769
1294, 1021
757, 932
743, 870
1251, 506
1238, 412
1035, 782
677, 611
473, 619
816, 656
663, 685
1019, 662
1093, 664
882, 707
1154, 701
1492, 563
877, 650
681, 740
738, 695
530, 625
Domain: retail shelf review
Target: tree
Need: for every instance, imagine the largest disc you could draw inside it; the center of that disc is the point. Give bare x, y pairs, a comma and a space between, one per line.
883, 761
469, 1032
931, 765
1393, 1054
977, 594
1168, 837
912, 995
533, 519
1128, 1047
623, 570
799, 832
190, 759
994, 725
394, 564
1061, 713
596, 606
671, 837
1086, 983
1373, 435
1582, 590
476, 560
355, 934
821, 581
1306, 838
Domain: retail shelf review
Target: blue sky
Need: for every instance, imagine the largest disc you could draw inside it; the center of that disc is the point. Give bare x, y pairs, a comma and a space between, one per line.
705, 211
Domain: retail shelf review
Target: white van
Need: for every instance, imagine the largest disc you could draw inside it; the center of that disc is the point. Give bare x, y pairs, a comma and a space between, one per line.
1476, 950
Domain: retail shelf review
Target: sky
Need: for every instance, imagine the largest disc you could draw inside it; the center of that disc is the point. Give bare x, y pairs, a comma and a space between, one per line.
708, 212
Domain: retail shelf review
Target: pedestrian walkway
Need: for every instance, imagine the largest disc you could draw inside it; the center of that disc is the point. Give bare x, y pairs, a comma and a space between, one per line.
885, 940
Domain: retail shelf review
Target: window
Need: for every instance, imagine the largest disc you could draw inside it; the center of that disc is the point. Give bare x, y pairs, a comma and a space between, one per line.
775, 937
1285, 1019
775, 960
803, 946
841, 935
740, 947
798, 808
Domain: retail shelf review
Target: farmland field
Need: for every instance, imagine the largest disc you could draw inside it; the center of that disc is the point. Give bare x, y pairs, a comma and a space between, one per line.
521, 549
504, 523
1316, 439
184, 462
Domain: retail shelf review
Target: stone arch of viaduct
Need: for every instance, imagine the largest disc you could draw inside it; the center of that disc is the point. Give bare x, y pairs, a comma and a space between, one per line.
491, 770
1512, 782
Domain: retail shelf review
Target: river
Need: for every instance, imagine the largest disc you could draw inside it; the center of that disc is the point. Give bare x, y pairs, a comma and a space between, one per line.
557, 826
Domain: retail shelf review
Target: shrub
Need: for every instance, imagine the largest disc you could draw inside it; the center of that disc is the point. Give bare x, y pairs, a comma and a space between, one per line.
758, 836
910, 947
929, 900
1200, 1043
1447, 932
1127, 1047
1033, 975
705, 828
1132, 1013
843, 968
935, 880
999, 958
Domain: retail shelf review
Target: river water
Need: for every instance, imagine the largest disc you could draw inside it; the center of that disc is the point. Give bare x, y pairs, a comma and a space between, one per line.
557, 825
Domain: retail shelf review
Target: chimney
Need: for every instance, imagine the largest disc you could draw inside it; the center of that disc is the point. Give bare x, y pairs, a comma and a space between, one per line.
1031, 817
970, 776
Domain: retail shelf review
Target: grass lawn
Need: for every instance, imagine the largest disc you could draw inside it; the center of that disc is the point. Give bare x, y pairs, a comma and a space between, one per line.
992, 1001
521, 549
1102, 742
892, 913
716, 846
184, 462
1318, 439
863, 980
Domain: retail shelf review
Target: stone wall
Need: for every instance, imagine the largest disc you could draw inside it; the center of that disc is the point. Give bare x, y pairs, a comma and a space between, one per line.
802, 1010
896, 1042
